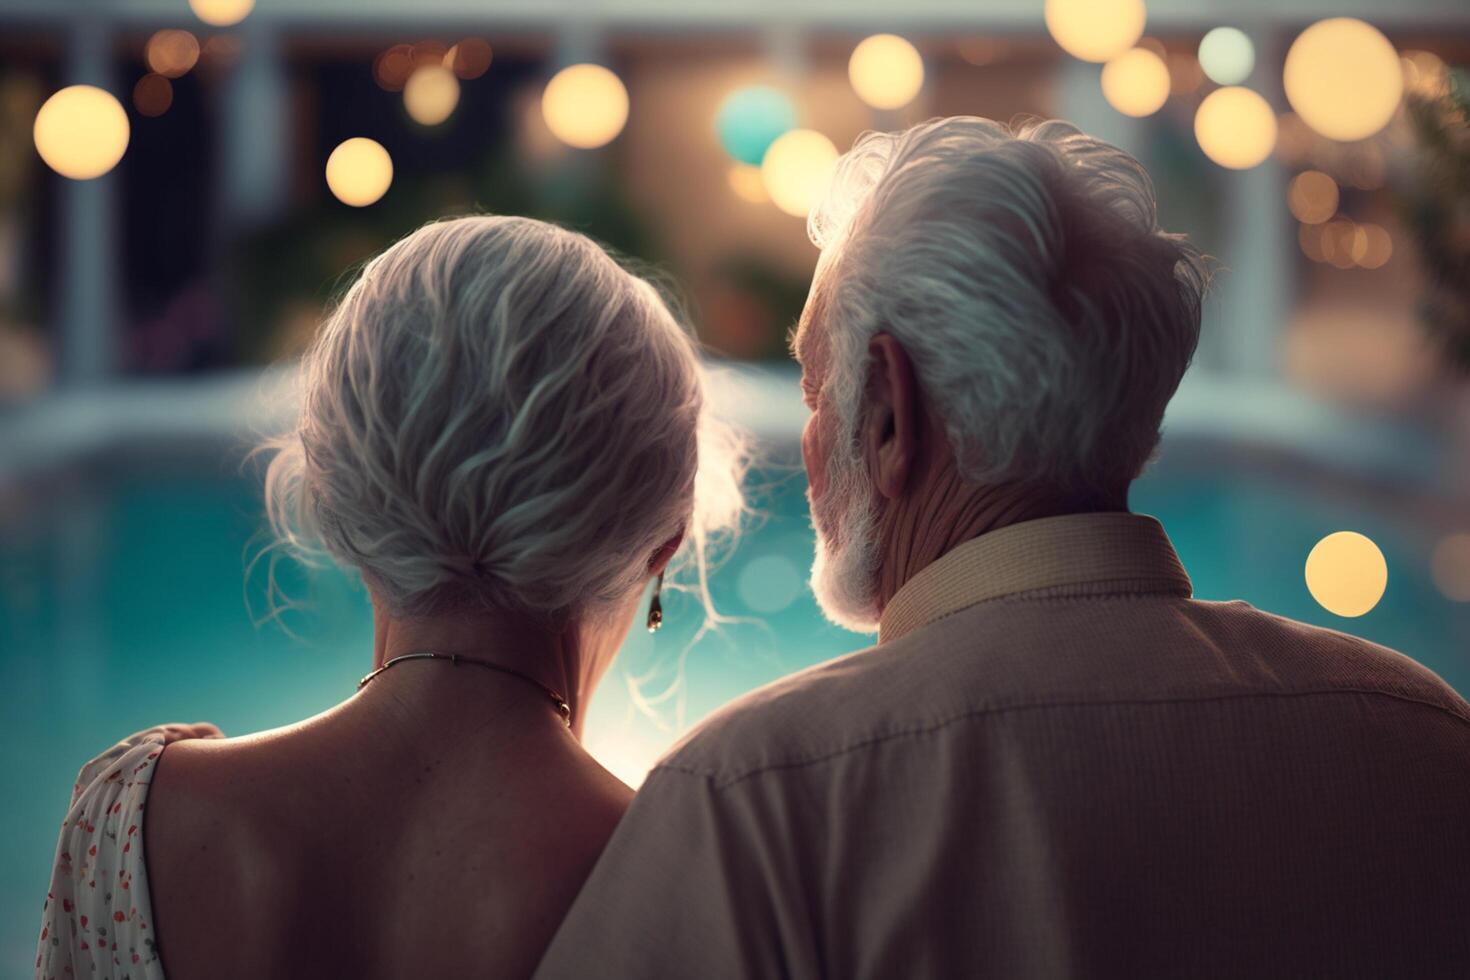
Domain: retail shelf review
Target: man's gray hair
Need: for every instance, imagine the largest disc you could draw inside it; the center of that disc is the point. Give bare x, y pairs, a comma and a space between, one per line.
1048, 317
497, 413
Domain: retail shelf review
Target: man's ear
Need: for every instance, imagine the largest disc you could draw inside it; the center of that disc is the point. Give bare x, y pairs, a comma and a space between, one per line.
664, 553
889, 435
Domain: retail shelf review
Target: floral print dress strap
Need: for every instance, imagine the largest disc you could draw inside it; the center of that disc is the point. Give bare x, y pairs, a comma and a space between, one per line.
97, 921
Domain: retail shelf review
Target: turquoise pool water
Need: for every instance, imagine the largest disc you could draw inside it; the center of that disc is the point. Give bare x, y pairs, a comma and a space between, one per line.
123, 604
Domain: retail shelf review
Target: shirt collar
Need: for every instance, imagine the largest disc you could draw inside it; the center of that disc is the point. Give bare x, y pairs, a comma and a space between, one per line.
1129, 551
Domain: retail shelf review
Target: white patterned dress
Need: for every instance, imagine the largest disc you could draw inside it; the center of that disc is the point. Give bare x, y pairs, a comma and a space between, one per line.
97, 921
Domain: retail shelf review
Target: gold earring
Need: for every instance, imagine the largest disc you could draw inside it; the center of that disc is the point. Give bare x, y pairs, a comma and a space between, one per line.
655, 608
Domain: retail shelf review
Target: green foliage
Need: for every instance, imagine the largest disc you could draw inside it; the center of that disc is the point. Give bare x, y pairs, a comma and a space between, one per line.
1436, 209
283, 275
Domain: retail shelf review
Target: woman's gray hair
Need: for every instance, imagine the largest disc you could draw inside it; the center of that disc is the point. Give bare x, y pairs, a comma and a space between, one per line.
1048, 317
498, 414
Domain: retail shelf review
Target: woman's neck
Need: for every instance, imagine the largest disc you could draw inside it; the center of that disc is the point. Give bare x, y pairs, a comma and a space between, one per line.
558, 660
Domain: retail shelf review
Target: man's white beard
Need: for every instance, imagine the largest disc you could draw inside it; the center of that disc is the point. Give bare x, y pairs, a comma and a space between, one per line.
845, 570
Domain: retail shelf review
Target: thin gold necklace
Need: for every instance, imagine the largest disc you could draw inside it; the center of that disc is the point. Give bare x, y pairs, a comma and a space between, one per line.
557, 701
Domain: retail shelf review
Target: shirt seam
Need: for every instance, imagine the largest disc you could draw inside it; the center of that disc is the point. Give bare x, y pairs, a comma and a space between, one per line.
1035, 595
718, 783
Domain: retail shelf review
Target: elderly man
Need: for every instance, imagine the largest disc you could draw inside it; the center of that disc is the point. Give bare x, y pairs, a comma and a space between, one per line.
1054, 762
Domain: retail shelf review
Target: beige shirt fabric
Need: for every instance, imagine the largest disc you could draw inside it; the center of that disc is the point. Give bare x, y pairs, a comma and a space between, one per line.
1055, 763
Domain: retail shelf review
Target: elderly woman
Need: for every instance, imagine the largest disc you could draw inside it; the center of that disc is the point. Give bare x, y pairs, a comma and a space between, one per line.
505, 433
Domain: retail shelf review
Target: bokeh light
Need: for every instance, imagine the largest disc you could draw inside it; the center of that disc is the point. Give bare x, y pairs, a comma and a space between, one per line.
1425, 74
171, 53
1309, 237
745, 180
359, 171
1312, 197
153, 95
392, 68
1095, 30
1343, 77
1185, 74
81, 132
428, 52
980, 51
585, 106
1377, 247
886, 71
1338, 237
219, 52
769, 583
221, 13
1450, 567
469, 58
797, 170
431, 94
1227, 55
1346, 573
750, 119
1136, 83
1235, 127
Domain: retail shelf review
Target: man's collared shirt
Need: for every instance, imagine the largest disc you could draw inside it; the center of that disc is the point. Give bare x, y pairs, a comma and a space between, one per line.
1055, 763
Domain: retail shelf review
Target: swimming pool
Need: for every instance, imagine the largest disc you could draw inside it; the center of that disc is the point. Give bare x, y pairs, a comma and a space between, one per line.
123, 603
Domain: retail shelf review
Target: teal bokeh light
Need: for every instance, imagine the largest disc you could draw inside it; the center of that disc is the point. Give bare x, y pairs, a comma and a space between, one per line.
751, 118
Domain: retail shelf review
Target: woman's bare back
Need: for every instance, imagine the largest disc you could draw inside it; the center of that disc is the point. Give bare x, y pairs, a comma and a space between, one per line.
418, 830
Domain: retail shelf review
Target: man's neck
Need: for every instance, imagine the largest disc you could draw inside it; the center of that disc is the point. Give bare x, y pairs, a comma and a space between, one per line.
945, 512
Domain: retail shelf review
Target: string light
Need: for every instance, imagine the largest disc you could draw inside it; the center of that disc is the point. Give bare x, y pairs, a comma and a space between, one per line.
797, 170
1227, 55
221, 13
750, 120
1344, 78
1136, 83
585, 106
1095, 30
886, 71
81, 132
359, 171
153, 95
431, 95
1235, 127
171, 53
1312, 197
1346, 574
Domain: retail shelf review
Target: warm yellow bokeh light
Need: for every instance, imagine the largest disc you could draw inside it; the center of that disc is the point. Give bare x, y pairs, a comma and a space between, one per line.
431, 94
1309, 237
1339, 237
1346, 573
797, 169
81, 132
886, 71
747, 184
359, 171
1425, 74
1095, 30
1136, 83
1312, 197
1344, 78
1450, 567
585, 106
221, 13
1235, 127
1377, 247
171, 53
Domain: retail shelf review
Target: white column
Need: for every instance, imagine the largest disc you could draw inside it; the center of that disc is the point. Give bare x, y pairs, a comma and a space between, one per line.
255, 132
1254, 300
86, 297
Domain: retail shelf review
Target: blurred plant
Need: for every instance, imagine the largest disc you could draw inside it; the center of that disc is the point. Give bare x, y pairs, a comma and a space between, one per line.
1436, 210
286, 274
752, 304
